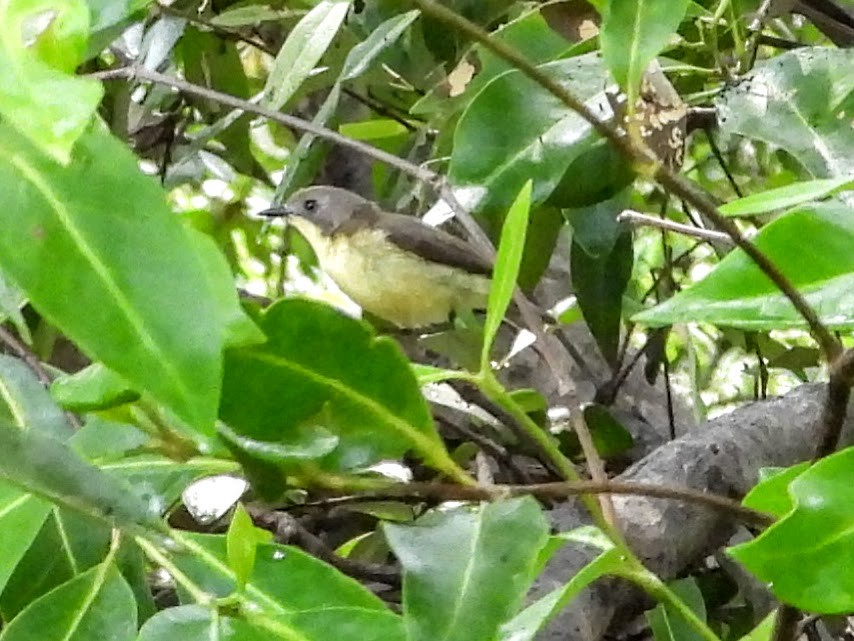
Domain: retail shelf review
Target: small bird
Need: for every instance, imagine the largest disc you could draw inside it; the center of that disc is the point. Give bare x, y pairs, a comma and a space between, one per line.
392, 266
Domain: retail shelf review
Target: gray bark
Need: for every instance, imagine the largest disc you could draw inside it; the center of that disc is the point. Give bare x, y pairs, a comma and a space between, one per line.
723, 456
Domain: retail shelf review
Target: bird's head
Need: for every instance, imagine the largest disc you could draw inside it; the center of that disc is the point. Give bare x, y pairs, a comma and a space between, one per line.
326, 207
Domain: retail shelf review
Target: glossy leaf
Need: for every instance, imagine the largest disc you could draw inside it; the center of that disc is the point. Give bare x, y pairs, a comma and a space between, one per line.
92, 388
467, 571
300, 166
51, 470
669, 625
796, 101
634, 32
366, 394
306, 44
242, 541
198, 623
335, 606
599, 281
525, 625
37, 95
506, 271
737, 294
538, 137
785, 197
67, 545
25, 403
160, 323
771, 494
98, 604
805, 556
23, 514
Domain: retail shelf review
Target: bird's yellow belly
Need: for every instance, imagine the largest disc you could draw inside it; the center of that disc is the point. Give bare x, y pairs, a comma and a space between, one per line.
396, 285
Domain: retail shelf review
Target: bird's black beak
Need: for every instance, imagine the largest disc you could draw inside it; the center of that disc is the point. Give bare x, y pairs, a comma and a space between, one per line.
278, 211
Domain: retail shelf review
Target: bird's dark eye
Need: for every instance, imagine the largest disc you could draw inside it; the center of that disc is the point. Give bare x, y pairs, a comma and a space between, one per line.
310, 204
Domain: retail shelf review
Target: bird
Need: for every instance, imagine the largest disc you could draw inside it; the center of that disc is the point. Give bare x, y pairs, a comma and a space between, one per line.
393, 266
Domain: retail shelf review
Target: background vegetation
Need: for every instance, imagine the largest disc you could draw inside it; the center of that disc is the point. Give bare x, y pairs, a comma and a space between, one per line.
157, 334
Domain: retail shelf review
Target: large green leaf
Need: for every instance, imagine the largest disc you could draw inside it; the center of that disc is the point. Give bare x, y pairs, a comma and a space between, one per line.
320, 367
785, 197
806, 557
52, 470
68, 544
738, 294
634, 32
198, 623
164, 296
98, 604
292, 594
37, 94
538, 136
797, 101
306, 43
467, 571
23, 514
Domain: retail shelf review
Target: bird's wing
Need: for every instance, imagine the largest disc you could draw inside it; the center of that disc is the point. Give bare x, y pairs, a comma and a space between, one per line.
410, 234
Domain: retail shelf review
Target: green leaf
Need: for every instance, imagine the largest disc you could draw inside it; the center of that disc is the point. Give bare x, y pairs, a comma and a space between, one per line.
67, 544
292, 593
12, 300
599, 281
199, 623
506, 271
365, 394
306, 44
785, 197
538, 138
37, 96
374, 129
669, 625
467, 571
253, 14
771, 494
25, 402
51, 470
633, 33
805, 557
241, 542
92, 388
302, 161
97, 604
764, 630
797, 101
23, 514
161, 323
737, 294
525, 625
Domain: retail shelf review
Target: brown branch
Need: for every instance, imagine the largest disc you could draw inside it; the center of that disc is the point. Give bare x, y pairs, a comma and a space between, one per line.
288, 530
835, 406
447, 492
647, 163
637, 218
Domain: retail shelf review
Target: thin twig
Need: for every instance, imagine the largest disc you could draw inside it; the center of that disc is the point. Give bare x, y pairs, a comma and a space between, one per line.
450, 492
647, 163
288, 530
637, 218
835, 406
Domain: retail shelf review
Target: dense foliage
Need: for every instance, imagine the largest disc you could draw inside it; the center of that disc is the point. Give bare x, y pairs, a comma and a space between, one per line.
156, 333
